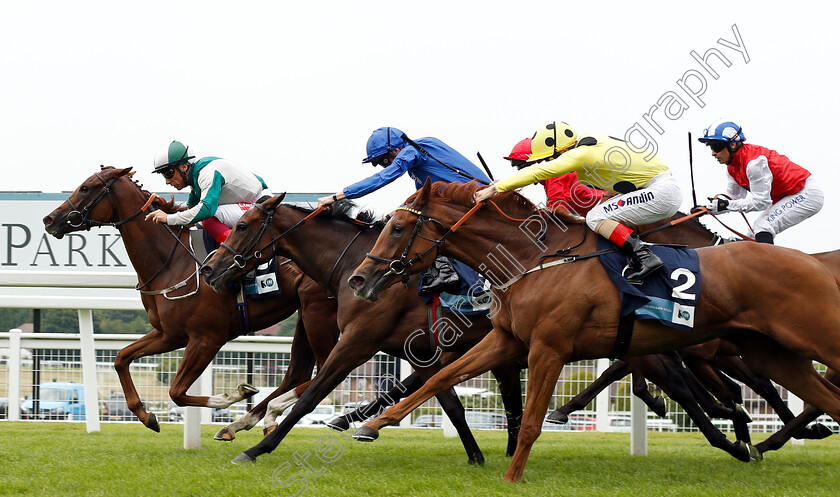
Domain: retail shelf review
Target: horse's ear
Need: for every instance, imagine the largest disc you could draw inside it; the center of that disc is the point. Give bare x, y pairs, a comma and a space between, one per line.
424, 192
123, 172
270, 203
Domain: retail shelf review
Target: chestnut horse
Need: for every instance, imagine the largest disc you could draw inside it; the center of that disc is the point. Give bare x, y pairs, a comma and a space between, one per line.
327, 246
702, 370
780, 305
203, 320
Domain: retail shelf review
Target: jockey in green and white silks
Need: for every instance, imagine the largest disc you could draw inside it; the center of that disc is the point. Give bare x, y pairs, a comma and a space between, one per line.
220, 191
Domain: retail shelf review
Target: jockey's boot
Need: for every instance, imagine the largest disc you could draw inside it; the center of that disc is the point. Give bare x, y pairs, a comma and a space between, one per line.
764, 237
643, 258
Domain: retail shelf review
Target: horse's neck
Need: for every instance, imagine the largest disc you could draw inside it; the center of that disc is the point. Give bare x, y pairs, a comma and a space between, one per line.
495, 245
149, 246
317, 246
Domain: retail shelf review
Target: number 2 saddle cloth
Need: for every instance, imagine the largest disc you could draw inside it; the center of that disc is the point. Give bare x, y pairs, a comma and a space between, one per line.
669, 295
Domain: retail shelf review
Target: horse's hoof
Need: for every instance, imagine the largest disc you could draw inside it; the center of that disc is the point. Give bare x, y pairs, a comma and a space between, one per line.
152, 423
816, 431
741, 414
339, 424
477, 458
224, 435
659, 407
247, 390
243, 458
755, 455
268, 429
366, 434
557, 418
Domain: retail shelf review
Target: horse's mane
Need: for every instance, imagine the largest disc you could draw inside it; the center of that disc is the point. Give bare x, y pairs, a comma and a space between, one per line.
168, 207
511, 203
341, 210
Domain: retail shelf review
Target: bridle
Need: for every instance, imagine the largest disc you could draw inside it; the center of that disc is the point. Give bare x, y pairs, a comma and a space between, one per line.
79, 217
240, 260
401, 265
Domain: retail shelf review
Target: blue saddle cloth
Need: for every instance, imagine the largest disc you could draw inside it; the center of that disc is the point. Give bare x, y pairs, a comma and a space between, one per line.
471, 297
669, 295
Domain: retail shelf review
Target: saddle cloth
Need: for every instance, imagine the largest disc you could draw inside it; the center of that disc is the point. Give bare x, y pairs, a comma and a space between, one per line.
669, 295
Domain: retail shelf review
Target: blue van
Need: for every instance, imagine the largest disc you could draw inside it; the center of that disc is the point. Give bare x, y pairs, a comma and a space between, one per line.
57, 401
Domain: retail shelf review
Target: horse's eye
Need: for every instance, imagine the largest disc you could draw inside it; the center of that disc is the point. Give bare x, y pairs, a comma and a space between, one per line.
83, 189
398, 229
241, 226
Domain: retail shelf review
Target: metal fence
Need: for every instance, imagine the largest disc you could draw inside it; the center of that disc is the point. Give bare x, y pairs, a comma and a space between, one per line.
262, 361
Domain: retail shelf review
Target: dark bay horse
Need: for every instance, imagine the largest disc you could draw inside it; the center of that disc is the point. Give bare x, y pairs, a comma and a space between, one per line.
203, 321
328, 246
781, 306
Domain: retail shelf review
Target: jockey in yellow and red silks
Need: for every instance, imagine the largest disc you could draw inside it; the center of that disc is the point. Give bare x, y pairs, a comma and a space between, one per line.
646, 191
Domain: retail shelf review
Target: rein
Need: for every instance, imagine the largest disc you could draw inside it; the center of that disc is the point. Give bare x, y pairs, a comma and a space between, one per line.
699, 212
399, 266
79, 217
240, 260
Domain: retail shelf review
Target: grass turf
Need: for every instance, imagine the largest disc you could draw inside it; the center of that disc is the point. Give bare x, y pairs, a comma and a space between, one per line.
127, 459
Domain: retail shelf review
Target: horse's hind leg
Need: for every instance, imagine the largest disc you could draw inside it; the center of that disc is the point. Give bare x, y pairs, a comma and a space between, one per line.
799, 424
794, 372
616, 371
153, 342
510, 388
197, 356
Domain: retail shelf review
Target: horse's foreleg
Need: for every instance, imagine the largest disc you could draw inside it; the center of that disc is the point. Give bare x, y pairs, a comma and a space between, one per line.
510, 388
400, 390
454, 410
153, 342
616, 371
495, 349
301, 365
544, 365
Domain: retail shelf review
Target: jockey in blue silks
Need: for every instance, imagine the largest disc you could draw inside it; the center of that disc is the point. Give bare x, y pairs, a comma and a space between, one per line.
424, 158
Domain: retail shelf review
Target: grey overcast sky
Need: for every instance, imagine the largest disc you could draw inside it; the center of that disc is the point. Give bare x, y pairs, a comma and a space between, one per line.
292, 90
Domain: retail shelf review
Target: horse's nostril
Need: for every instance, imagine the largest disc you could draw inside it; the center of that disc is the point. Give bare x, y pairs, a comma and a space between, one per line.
207, 270
48, 221
356, 281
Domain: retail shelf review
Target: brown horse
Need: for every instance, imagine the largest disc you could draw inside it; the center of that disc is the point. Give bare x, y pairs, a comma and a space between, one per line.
203, 320
783, 304
328, 246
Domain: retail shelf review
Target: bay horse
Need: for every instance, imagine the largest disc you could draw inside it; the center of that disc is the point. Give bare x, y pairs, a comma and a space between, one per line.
780, 305
328, 246
203, 321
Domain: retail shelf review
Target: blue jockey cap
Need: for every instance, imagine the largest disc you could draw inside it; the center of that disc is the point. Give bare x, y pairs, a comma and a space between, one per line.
382, 141
722, 131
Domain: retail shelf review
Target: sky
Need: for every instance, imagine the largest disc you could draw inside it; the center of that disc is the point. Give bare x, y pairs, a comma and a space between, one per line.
292, 90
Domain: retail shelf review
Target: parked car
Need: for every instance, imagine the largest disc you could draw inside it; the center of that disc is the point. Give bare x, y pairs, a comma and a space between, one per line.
116, 409
476, 420
56, 400
428, 421
352, 406
4, 407
175, 414
582, 423
319, 416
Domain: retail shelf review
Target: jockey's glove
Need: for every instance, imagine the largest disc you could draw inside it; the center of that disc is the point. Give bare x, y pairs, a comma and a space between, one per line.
717, 205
